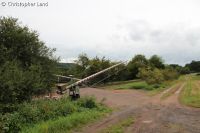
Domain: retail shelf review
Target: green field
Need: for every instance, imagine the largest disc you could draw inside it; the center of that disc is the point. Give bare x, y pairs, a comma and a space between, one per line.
190, 95
140, 85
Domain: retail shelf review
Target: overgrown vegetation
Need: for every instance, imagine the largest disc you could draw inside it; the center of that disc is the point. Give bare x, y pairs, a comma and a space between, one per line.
157, 76
194, 66
26, 64
86, 66
68, 123
51, 111
152, 70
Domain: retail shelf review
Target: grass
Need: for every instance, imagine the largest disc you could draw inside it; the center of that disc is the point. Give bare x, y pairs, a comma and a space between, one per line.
170, 92
67, 124
196, 76
119, 127
190, 95
133, 85
122, 82
142, 85
156, 91
48, 113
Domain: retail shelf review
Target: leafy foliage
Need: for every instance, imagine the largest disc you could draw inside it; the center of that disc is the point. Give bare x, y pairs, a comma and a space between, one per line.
157, 62
139, 61
151, 76
43, 110
194, 66
152, 70
68, 123
170, 74
157, 76
26, 64
86, 66
180, 69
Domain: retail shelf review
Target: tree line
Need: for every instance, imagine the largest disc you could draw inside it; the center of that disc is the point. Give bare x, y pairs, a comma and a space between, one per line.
152, 70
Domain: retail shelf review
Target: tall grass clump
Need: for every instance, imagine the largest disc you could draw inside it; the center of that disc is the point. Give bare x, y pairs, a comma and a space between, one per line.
65, 124
28, 114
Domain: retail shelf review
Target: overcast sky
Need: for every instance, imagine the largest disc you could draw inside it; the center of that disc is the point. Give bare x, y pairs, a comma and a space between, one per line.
117, 29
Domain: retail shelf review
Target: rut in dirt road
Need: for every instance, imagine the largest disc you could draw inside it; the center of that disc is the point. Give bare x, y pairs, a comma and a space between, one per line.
152, 114
168, 116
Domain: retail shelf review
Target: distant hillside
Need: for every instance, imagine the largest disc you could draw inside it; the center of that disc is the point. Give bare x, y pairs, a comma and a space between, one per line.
66, 65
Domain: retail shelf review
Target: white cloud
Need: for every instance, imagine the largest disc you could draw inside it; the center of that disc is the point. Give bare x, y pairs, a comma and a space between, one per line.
69, 60
118, 29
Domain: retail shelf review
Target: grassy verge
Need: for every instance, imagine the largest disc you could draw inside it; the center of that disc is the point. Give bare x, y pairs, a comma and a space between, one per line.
142, 85
190, 95
122, 82
133, 85
119, 127
50, 111
66, 124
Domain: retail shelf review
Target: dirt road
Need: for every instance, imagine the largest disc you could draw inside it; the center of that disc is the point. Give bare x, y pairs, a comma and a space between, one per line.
152, 115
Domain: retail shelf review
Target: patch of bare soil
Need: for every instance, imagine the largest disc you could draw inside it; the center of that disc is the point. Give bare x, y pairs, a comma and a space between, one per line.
116, 98
152, 114
126, 102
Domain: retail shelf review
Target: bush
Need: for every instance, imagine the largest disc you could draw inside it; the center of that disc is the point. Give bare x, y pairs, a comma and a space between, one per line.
88, 102
65, 124
42, 110
151, 76
157, 76
170, 74
26, 64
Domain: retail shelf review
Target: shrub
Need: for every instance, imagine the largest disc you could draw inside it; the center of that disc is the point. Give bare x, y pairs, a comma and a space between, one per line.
26, 64
157, 76
65, 124
42, 110
88, 102
170, 74
151, 76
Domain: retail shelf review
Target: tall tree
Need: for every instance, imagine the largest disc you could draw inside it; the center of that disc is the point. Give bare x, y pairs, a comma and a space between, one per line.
156, 61
139, 61
26, 64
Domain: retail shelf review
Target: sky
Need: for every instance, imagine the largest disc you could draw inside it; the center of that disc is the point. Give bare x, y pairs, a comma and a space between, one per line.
116, 29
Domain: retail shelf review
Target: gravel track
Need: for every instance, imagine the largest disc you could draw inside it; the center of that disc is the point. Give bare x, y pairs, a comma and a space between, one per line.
152, 114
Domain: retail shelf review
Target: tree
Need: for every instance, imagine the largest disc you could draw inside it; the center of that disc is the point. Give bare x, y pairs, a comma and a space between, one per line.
194, 66
83, 60
82, 63
185, 70
26, 64
139, 61
96, 64
156, 61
